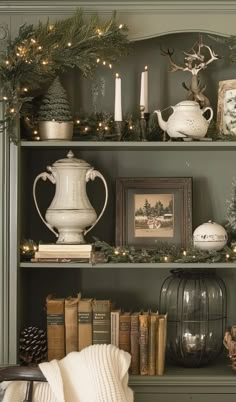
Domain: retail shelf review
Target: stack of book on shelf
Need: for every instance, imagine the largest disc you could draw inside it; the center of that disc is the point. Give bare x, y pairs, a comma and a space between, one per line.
63, 253
74, 323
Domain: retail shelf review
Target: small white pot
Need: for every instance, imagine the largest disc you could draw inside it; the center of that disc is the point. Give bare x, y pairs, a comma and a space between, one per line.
56, 130
210, 236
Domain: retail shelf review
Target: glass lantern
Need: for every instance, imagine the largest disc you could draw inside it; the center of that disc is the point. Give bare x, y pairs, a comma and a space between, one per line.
195, 301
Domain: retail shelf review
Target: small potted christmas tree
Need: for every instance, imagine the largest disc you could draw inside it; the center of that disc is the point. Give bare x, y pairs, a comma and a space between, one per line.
54, 116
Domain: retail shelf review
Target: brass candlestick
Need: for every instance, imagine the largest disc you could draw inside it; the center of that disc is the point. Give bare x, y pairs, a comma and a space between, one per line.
144, 118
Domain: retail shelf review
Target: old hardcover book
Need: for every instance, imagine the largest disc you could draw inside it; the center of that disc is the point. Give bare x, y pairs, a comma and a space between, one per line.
161, 344
115, 327
61, 259
55, 328
143, 343
71, 324
152, 340
62, 254
84, 323
65, 247
124, 332
134, 343
101, 321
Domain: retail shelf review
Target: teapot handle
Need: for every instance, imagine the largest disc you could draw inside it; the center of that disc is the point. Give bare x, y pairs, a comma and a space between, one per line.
44, 176
211, 113
91, 175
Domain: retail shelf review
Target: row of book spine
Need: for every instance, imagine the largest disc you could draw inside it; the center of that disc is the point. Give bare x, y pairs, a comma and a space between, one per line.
75, 323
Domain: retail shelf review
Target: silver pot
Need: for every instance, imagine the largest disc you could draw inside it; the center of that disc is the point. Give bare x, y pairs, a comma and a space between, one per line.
56, 130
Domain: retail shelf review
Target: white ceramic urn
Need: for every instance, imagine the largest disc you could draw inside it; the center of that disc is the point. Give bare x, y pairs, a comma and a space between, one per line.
70, 211
210, 236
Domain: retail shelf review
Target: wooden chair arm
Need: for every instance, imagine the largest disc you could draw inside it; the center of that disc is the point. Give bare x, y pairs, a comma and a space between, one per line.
22, 373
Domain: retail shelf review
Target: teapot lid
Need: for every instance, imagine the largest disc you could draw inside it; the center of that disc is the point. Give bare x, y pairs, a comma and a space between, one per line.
187, 103
70, 160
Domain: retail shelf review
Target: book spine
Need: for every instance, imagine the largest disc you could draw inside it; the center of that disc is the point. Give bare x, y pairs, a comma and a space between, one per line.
61, 254
84, 323
124, 332
161, 345
101, 321
71, 324
152, 335
115, 325
55, 328
134, 344
82, 260
65, 247
143, 343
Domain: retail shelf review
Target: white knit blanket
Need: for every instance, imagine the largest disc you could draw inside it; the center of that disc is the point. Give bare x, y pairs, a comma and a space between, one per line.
98, 373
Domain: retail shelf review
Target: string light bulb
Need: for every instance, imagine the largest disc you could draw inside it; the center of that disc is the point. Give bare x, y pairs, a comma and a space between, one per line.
165, 258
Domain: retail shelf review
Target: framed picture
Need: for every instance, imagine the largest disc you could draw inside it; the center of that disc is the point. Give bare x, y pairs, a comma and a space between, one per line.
226, 109
152, 209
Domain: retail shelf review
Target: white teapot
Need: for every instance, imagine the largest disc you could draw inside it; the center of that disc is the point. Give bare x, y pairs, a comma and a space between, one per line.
187, 120
70, 211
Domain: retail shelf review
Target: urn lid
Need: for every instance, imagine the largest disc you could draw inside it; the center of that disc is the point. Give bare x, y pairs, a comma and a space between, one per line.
71, 161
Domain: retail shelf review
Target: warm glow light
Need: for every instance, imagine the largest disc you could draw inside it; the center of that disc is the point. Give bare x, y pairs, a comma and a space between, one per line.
86, 129
78, 121
12, 110
110, 65
40, 47
120, 26
35, 132
98, 60
227, 256
69, 44
25, 89
100, 124
4, 97
117, 75
104, 62
7, 62
50, 27
146, 67
165, 258
33, 40
184, 252
116, 252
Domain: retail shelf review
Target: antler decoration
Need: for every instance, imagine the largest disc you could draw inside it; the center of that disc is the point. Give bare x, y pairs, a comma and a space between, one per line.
194, 62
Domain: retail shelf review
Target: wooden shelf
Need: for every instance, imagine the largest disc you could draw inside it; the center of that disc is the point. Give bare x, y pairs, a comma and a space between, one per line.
133, 145
229, 265
216, 374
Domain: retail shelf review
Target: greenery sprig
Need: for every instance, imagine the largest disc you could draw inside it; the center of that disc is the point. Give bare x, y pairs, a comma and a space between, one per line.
39, 53
162, 253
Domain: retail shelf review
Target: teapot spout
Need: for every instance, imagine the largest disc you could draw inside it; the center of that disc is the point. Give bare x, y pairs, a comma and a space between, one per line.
162, 123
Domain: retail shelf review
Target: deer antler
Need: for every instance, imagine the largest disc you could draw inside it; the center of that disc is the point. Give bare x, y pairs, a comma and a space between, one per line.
173, 66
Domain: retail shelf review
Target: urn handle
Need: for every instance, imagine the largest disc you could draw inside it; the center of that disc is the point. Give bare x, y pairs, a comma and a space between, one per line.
44, 176
91, 175
211, 113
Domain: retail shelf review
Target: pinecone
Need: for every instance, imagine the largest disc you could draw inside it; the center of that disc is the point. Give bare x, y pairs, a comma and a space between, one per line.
33, 346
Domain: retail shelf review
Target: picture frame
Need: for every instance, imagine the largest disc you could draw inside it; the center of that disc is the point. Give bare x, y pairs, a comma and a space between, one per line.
153, 209
226, 107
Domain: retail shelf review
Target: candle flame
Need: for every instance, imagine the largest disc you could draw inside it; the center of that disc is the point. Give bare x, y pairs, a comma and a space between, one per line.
117, 75
146, 67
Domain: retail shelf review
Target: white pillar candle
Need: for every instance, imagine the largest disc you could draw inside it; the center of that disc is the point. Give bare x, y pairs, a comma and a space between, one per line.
144, 90
118, 107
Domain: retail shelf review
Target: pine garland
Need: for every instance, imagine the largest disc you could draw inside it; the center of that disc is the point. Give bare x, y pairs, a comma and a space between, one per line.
162, 253
39, 53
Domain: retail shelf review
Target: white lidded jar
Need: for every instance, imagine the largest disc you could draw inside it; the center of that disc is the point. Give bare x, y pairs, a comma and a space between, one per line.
210, 236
